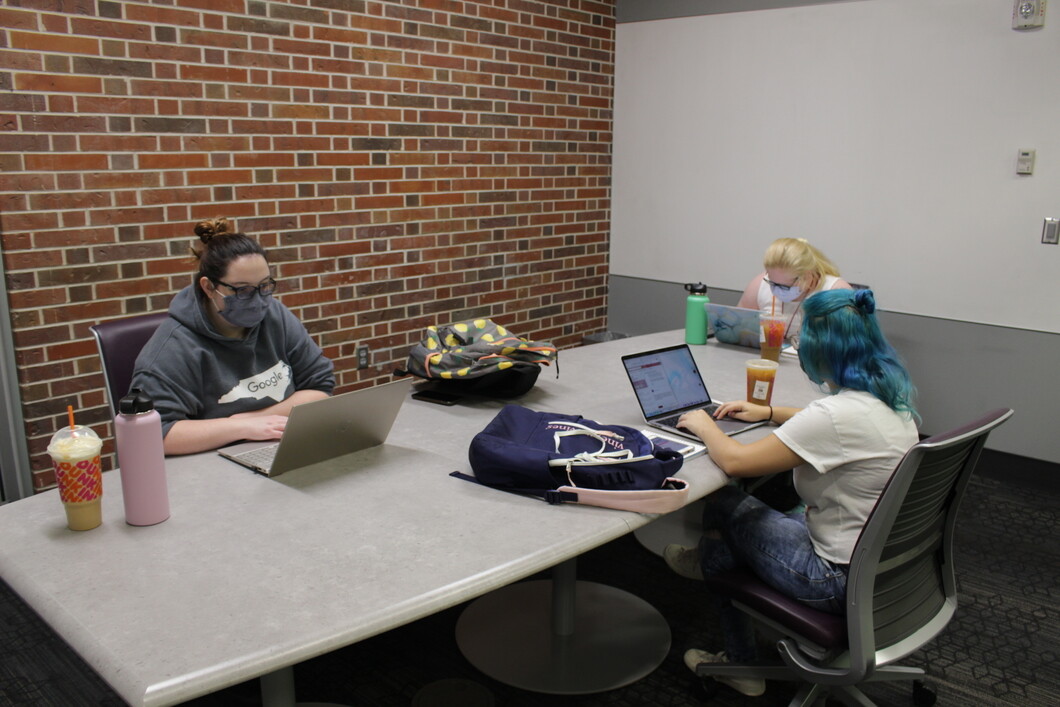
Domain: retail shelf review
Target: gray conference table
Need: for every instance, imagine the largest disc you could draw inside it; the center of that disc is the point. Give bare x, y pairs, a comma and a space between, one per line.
252, 575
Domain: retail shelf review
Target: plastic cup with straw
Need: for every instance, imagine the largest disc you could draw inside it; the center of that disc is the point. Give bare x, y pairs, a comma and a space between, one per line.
75, 452
771, 333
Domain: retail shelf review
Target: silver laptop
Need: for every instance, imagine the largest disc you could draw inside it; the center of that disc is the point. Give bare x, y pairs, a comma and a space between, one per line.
667, 384
734, 325
326, 429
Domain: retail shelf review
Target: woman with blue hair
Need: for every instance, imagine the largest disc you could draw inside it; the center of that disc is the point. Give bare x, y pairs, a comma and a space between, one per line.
843, 449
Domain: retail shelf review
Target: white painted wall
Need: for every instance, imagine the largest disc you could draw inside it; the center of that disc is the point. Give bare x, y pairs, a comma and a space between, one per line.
885, 131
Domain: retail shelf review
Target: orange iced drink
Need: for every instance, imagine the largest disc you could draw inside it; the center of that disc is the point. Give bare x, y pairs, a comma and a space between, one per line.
771, 338
761, 375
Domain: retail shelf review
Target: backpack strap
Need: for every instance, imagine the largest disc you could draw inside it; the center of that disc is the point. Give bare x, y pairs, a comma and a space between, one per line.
672, 496
553, 496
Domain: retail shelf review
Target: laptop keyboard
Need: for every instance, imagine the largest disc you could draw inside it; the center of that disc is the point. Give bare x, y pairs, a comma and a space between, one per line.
672, 420
262, 457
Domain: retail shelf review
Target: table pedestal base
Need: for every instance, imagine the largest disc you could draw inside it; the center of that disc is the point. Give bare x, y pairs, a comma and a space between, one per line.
563, 637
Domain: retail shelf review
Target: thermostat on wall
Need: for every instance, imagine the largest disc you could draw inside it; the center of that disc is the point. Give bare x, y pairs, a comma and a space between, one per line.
1025, 162
1028, 14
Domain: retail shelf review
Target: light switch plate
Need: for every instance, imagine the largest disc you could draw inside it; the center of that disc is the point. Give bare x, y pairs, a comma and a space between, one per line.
1051, 231
1028, 14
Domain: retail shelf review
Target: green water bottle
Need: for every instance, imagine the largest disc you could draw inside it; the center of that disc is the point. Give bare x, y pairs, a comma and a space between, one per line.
696, 313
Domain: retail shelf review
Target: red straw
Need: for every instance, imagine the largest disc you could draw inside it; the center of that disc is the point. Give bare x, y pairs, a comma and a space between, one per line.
70, 414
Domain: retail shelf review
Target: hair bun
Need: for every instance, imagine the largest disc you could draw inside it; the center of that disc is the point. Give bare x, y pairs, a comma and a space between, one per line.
206, 230
865, 301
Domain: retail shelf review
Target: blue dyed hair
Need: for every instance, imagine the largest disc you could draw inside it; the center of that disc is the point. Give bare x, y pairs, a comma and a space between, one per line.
841, 344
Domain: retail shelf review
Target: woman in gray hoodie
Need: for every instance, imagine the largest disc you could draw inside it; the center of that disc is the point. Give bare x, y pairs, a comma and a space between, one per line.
231, 361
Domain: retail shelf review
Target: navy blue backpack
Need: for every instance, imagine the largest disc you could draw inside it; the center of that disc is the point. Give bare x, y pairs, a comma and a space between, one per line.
568, 458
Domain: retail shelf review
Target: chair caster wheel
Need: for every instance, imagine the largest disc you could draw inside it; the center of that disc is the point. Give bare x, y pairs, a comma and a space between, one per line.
923, 696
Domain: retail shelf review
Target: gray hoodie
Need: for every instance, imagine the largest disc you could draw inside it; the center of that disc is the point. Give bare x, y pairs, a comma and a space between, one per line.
192, 372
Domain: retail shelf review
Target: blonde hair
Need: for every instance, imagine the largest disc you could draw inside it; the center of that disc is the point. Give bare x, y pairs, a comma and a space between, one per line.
801, 258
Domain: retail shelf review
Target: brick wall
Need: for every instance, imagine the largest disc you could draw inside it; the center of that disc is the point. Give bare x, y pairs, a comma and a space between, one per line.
405, 163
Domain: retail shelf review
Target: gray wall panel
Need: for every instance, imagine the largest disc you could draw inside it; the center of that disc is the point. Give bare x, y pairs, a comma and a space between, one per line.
885, 132
960, 368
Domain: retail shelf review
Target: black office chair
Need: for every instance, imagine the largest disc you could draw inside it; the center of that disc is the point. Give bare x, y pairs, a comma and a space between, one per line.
901, 587
120, 342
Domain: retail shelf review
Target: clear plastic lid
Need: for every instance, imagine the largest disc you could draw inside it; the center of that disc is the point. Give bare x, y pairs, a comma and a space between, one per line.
76, 441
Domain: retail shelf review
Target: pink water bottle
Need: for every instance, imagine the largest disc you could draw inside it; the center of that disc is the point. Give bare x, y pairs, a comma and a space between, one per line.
138, 433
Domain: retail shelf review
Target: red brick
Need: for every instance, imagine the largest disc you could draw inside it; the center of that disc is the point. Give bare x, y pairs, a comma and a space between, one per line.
107, 28
73, 349
219, 74
70, 200
65, 44
216, 5
165, 89
155, 197
221, 176
120, 180
153, 14
179, 160
338, 35
300, 79
125, 216
18, 19
29, 221
54, 82
291, 47
20, 61
215, 143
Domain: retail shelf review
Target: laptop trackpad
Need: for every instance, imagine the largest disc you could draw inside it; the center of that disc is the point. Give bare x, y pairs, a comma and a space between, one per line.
730, 426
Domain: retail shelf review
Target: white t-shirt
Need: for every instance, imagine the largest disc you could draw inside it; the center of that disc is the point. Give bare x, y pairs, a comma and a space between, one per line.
792, 309
851, 442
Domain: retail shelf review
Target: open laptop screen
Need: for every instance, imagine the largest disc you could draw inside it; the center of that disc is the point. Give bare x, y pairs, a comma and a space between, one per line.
666, 381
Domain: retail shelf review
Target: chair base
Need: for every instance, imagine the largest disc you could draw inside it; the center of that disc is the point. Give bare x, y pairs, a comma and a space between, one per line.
812, 693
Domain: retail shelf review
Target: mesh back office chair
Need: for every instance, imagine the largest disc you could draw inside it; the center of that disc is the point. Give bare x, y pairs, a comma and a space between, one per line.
120, 342
901, 588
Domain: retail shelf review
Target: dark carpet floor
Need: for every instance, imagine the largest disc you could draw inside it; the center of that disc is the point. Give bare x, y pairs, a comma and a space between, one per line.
1000, 649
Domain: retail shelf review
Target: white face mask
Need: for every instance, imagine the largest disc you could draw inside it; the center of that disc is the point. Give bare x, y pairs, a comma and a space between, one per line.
789, 294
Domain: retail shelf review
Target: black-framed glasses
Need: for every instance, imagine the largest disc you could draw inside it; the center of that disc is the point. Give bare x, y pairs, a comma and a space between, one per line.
265, 289
778, 286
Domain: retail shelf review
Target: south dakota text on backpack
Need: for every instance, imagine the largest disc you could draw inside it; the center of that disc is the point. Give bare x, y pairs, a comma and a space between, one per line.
568, 458
480, 357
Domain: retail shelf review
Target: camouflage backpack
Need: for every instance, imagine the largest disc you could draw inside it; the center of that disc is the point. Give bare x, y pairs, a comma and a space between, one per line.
480, 357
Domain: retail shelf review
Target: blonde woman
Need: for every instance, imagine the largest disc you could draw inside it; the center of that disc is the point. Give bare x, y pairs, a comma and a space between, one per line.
794, 270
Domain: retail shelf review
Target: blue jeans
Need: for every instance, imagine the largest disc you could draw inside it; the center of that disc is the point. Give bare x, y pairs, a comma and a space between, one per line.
777, 548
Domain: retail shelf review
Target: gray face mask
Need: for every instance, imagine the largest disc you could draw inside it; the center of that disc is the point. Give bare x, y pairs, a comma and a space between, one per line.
245, 313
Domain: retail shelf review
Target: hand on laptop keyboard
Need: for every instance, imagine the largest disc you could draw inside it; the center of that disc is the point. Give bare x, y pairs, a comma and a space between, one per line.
672, 420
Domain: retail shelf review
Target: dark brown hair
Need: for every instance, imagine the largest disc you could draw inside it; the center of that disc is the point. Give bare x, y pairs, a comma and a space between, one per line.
219, 248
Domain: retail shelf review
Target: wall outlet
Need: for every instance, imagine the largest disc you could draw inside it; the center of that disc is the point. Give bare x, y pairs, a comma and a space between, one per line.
1028, 14
1051, 231
363, 356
